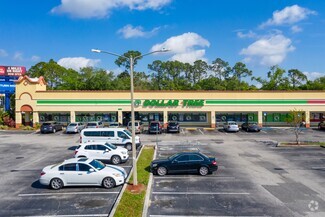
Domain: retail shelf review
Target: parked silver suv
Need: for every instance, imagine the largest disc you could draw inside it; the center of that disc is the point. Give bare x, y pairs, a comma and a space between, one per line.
95, 124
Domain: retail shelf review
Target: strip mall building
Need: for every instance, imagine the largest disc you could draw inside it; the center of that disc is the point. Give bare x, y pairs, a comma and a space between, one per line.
36, 104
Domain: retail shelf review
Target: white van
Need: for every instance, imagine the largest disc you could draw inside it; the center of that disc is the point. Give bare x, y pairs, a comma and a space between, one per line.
115, 136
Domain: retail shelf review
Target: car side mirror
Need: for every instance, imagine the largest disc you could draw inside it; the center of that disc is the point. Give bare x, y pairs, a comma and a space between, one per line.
91, 170
175, 161
106, 150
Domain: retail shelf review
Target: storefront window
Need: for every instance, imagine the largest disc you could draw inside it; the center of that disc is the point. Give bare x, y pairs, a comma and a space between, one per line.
147, 117
187, 117
238, 117
104, 117
58, 117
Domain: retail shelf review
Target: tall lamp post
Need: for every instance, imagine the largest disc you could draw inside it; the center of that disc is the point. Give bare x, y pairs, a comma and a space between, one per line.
131, 60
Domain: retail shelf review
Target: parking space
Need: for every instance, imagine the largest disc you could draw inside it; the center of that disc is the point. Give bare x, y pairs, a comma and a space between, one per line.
251, 180
21, 193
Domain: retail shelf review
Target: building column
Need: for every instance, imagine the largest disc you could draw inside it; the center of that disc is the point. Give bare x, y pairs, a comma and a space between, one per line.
72, 116
213, 119
165, 119
120, 116
307, 119
18, 119
35, 118
260, 118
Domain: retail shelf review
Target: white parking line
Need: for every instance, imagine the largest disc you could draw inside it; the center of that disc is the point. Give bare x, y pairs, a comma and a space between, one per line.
64, 193
196, 177
201, 131
263, 131
86, 215
205, 216
201, 193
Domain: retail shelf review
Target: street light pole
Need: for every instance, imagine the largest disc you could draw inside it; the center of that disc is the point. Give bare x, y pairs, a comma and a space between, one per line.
134, 148
131, 59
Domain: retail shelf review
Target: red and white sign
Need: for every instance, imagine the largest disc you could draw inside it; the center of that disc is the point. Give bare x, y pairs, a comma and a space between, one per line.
12, 70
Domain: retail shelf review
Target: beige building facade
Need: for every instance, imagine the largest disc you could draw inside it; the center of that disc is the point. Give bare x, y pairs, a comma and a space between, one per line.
36, 104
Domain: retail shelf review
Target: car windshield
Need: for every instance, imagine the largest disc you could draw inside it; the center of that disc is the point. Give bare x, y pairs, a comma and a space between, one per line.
97, 164
46, 124
173, 156
111, 146
72, 125
154, 124
172, 124
232, 123
113, 124
252, 123
127, 132
91, 124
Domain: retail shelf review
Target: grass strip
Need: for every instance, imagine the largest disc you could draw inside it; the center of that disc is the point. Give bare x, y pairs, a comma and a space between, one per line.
132, 204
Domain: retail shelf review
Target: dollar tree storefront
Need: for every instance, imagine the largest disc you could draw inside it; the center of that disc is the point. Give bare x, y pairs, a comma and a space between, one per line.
36, 104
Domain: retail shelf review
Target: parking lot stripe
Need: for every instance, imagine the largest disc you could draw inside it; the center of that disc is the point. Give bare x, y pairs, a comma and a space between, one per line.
197, 177
204, 216
85, 215
202, 193
65, 193
201, 132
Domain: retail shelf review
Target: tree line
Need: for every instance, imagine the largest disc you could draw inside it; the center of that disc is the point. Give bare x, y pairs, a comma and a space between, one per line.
173, 75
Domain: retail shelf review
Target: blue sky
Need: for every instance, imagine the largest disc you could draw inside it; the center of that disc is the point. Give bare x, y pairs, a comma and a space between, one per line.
259, 33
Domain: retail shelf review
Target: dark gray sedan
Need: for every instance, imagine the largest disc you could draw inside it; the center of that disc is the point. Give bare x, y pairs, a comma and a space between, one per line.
50, 127
251, 126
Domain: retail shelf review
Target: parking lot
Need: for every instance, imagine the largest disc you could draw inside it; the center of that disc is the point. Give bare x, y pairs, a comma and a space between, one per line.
255, 178
23, 157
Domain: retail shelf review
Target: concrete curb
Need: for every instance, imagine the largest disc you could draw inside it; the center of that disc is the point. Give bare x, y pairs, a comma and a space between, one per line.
113, 210
283, 145
209, 128
147, 198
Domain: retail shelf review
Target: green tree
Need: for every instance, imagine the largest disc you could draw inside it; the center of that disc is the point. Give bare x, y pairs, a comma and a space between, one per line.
240, 71
124, 62
296, 119
51, 71
220, 68
296, 78
276, 80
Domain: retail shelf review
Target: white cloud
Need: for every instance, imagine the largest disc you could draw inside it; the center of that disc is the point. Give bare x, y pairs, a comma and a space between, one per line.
269, 50
3, 53
250, 34
314, 75
77, 62
102, 8
289, 15
18, 56
35, 58
296, 29
184, 47
129, 31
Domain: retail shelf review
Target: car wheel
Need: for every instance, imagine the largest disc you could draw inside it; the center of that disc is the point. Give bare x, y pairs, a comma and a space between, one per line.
247, 130
108, 182
161, 171
56, 184
128, 146
116, 159
54, 130
203, 171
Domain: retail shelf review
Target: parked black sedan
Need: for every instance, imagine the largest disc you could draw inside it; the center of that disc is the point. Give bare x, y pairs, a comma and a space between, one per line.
50, 127
251, 126
173, 126
321, 125
186, 162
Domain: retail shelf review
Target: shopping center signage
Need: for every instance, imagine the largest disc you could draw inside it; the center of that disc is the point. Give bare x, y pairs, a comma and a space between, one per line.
12, 71
171, 103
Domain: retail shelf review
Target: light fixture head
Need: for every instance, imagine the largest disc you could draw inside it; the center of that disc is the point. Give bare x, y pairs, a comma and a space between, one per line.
95, 50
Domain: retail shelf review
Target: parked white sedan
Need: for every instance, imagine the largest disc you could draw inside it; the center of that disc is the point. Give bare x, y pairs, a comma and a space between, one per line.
80, 172
231, 126
102, 151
